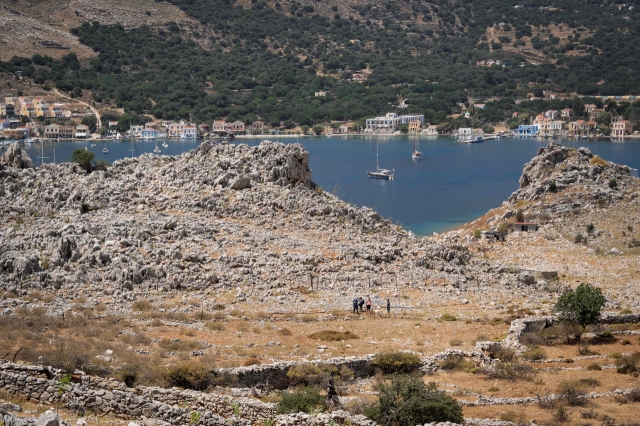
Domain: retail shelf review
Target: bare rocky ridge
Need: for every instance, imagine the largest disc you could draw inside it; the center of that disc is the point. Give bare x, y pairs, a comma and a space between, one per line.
218, 217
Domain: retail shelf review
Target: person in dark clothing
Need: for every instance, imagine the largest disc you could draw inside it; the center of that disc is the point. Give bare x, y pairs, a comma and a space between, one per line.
388, 307
355, 305
332, 395
361, 304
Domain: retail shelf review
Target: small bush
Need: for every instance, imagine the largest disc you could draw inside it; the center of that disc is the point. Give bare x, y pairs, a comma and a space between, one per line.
534, 354
597, 161
572, 392
503, 354
456, 362
584, 350
285, 332
333, 336
594, 367
189, 376
613, 184
448, 317
552, 186
218, 307
561, 414
251, 361
627, 364
84, 208
477, 234
407, 400
456, 342
396, 362
214, 326
306, 400
580, 239
310, 374
590, 228
512, 371
142, 305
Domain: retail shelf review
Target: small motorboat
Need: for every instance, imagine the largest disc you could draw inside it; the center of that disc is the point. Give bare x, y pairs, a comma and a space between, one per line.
165, 145
157, 150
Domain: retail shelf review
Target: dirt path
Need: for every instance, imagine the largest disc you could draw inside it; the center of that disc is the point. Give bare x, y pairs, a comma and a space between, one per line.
95, 111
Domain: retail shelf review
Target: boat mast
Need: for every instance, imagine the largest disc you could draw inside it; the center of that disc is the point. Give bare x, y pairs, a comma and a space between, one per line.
377, 164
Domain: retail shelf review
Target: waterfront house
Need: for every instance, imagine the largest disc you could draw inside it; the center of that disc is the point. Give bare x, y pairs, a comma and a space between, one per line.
189, 131
552, 114
35, 129
218, 126
174, 130
235, 127
591, 126
66, 132
82, 131
150, 125
391, 122
578, 127
566, 113
257, 127
112, 124
52, 131
414, 126
431, 130
14, 123
557, 127
525, 130
17, 133
621, 128
136, 131
465, 131
525, 227
149, 134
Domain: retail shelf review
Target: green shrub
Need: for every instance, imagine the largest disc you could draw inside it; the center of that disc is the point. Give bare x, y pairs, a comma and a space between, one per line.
306, 400
310, 374
396, 362
626, 364
572, 392
590, 227
503, 354
83, 158
594, 367
512, 371
333, 336
519, 216
189, 376
534, 354
448, 317
552, 186
456, 362
581, 306
477, 234
613, 184
84, 208
407, 400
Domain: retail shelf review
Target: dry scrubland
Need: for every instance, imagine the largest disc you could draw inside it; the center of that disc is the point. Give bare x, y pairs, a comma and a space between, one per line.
238, 293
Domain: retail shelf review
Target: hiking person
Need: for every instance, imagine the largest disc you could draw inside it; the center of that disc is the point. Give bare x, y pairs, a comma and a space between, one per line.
332, 395
355, 305
369, 304
388, 307
361, 304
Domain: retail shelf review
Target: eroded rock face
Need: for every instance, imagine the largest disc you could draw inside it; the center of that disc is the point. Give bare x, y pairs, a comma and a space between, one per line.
16, 157
556, 167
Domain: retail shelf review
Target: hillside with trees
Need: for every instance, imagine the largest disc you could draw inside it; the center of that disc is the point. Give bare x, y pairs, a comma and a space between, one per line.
266, 60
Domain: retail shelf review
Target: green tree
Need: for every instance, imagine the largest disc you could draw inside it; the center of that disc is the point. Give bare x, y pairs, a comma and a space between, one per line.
90, 121
407, 400
318, 129
306, 400
488, 128
83, 158
305, 128
404, 128
581, 306
519, 216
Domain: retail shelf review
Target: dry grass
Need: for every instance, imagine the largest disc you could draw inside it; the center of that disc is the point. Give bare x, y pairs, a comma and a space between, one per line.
333, 336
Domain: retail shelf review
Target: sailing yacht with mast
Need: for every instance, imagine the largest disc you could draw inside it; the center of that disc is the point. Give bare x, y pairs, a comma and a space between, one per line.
417, 155
380, 173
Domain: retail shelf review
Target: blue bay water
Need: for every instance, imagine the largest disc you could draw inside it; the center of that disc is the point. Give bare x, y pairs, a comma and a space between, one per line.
454, 183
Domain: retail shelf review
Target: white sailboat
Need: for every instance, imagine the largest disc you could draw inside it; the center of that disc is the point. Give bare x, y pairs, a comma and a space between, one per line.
417, 155
105, 150
165, 144
156, 149
380, 173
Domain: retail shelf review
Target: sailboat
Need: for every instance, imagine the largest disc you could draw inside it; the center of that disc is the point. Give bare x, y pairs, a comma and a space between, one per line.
165, 144
105, 150
156, 149
380, 173
417, 155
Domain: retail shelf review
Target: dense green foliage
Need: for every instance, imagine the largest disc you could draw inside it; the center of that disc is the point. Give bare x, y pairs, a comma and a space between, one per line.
407, 400
306, 400
264, 62
396, 362
83, 158
581, 306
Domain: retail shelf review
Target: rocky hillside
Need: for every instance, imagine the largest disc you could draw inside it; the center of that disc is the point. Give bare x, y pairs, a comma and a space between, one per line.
218, 217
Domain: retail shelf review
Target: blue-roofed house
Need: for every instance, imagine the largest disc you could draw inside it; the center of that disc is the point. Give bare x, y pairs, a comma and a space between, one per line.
525, 130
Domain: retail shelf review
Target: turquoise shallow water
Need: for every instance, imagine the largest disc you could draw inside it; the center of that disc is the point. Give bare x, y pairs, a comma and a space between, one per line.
453, 184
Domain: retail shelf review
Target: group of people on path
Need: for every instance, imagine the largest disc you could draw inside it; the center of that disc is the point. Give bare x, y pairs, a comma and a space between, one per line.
359, 303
